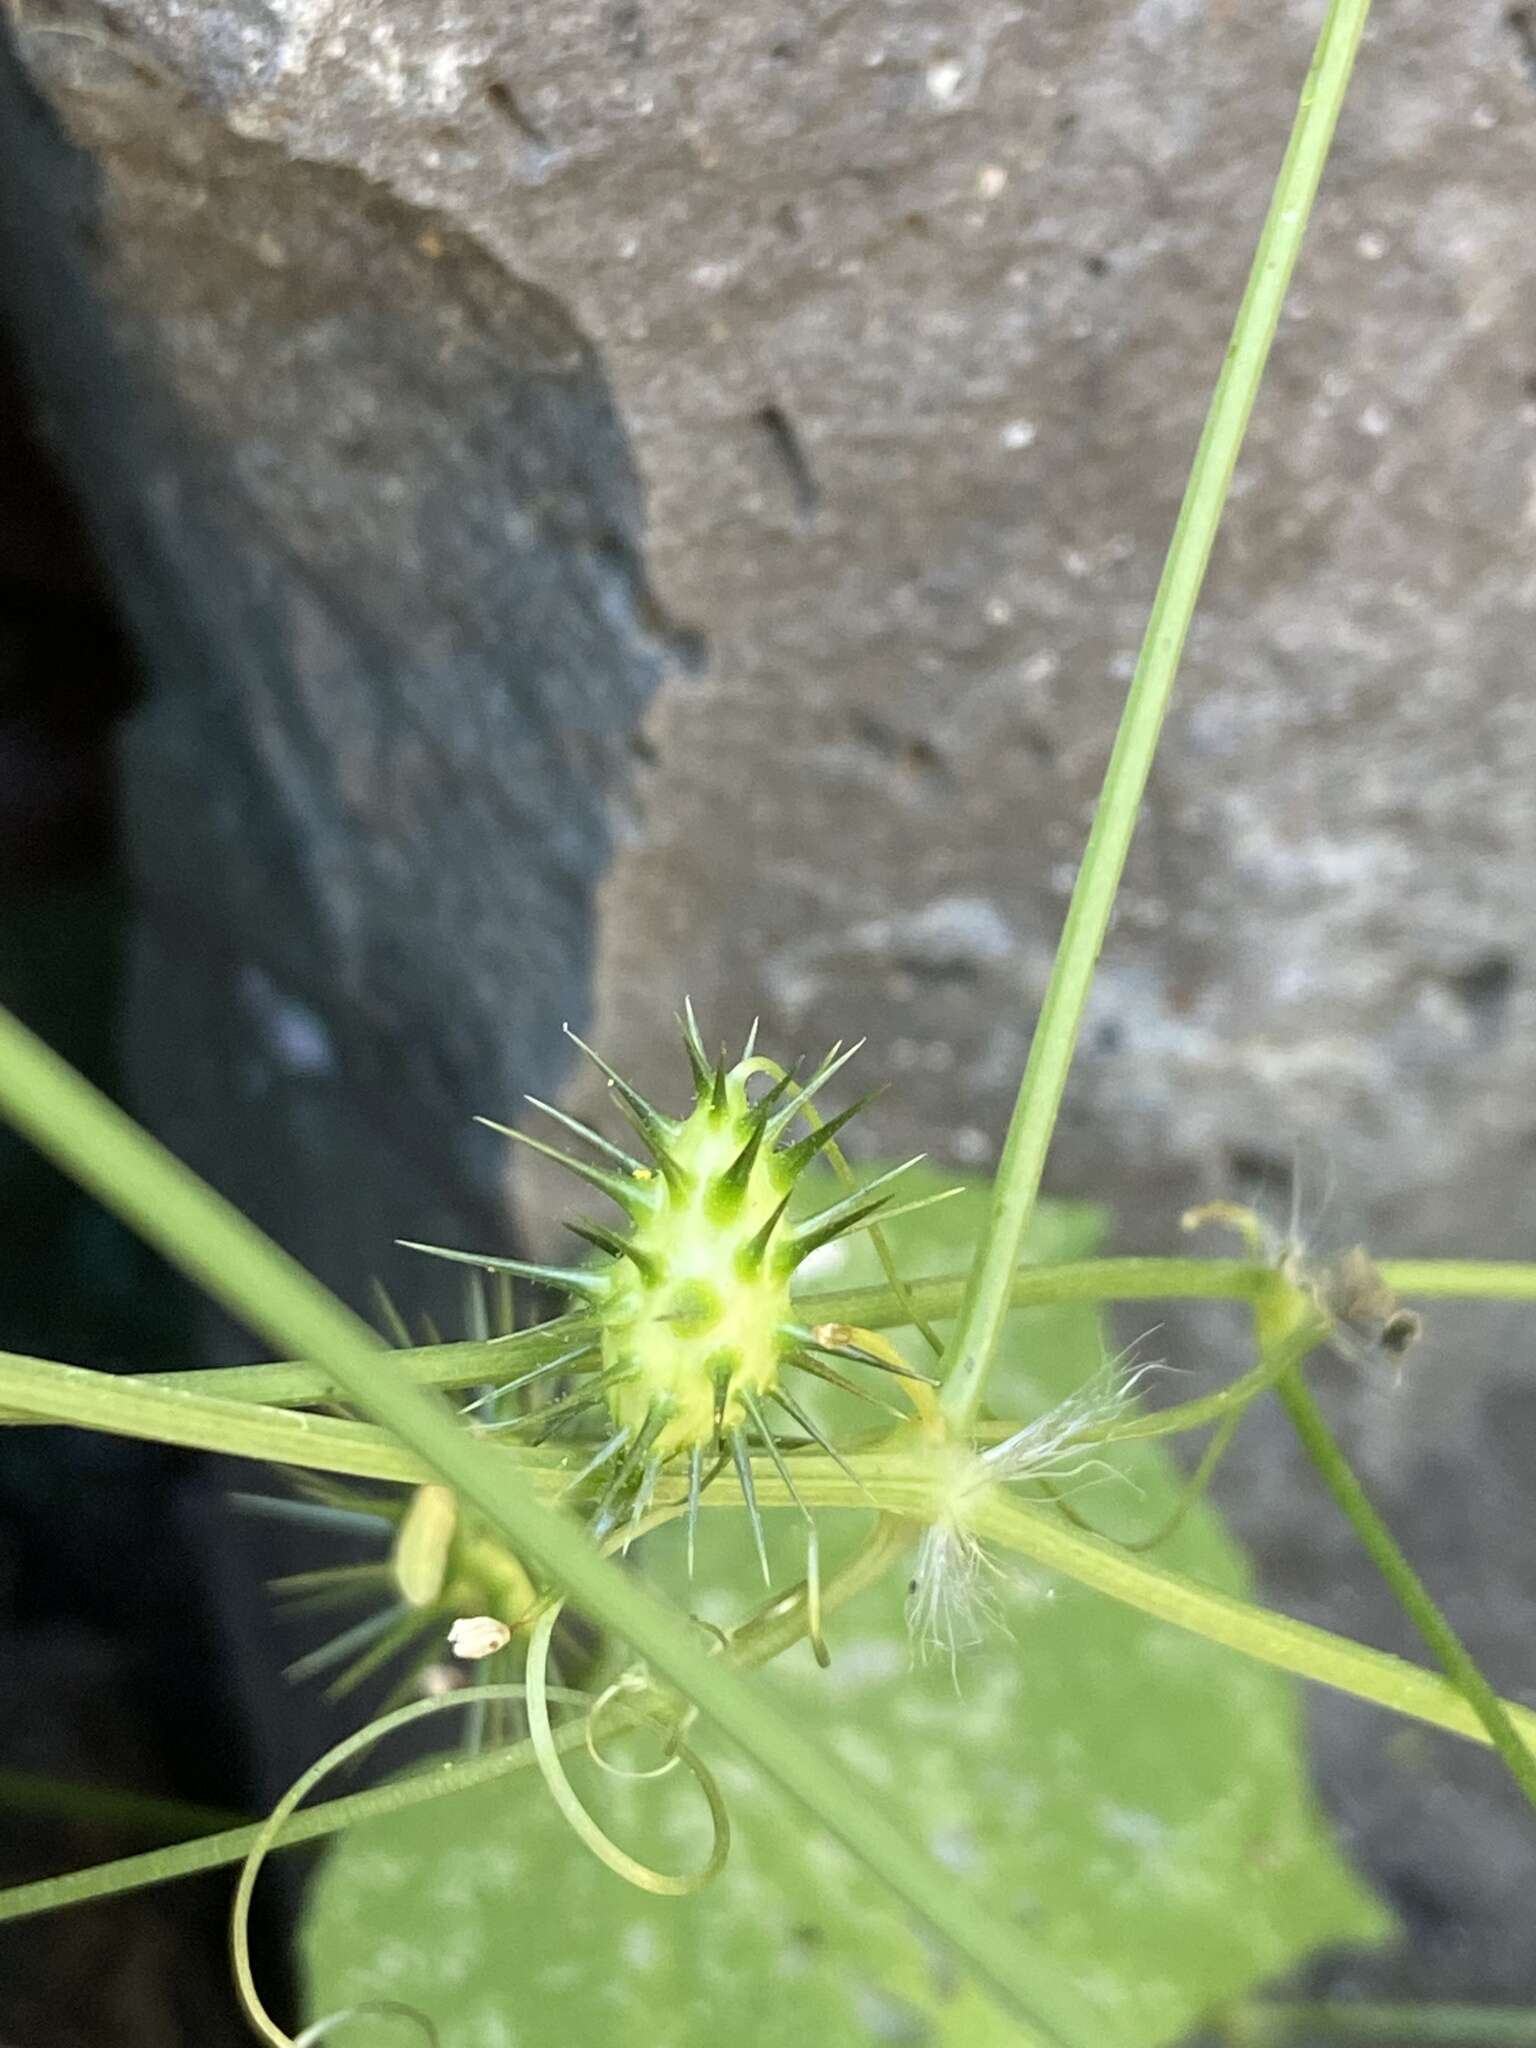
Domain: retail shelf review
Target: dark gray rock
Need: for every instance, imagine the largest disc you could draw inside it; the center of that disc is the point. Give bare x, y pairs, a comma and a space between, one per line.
377, 526
910, 317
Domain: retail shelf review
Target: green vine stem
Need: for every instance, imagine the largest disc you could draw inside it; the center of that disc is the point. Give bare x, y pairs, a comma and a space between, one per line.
867, 1308
1408, 1589
38, 1390
1460, 1279
294, 1384
1285, 2024
1290, 1645
311, 1823
41, 1391
1283, 1316
973, 1342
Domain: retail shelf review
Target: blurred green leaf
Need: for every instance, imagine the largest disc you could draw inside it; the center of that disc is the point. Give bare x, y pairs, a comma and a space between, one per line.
1134, 1796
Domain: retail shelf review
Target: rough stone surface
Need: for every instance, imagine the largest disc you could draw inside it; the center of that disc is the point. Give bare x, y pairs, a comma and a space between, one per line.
376, 520
908, 315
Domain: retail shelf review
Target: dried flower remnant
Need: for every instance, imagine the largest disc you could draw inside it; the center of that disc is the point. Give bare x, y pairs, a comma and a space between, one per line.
953, 1600
1348, 1289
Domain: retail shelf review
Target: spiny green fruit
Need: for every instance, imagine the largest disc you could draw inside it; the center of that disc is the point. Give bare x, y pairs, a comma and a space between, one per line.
691, 1293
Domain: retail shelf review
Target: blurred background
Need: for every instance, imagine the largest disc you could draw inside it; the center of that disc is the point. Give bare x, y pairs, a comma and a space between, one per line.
513, 515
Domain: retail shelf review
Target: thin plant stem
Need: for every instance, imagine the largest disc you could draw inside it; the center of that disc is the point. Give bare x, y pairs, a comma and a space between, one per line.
1283, 1318
872, 1308
1461, 1279
940, 1295
233, 1845
44, 1392
40, 1391
1408, 1589
293, 1384
1284, 2023
1290, 1645
973, 1342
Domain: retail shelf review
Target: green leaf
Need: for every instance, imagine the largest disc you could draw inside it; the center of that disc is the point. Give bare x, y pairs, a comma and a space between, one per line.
1133, 1797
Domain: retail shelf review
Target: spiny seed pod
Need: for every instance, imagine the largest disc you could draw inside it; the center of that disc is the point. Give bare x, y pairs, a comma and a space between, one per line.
691, 1295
